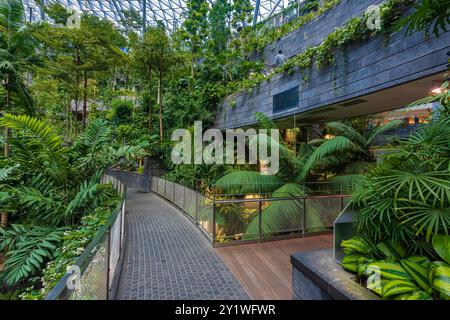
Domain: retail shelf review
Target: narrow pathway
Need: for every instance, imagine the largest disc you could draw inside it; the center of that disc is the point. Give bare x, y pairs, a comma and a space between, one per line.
167, 258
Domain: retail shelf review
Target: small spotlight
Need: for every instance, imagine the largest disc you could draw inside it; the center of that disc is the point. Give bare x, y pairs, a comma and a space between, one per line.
436, 91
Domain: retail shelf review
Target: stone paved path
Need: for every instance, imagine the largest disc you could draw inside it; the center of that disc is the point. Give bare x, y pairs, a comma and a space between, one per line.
167, 258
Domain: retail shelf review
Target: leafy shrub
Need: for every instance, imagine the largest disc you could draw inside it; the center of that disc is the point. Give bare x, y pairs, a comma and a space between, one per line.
393, 275
72, 244
28, 249
406, 196
121, 111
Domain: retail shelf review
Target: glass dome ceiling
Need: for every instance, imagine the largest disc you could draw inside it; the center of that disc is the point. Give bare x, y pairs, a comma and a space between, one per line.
170, 12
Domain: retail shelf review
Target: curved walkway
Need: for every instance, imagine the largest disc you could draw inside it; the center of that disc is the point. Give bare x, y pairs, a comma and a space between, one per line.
167, 258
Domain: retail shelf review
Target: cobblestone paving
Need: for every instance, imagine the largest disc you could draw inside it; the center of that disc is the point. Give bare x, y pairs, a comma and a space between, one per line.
167, 258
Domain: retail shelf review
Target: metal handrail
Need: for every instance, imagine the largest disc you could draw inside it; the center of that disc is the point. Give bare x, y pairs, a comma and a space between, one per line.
160, 187
331, 196
60, 290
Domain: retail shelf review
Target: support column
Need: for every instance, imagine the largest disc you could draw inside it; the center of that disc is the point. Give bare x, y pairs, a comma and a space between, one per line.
144, 16
256, 14
41, 8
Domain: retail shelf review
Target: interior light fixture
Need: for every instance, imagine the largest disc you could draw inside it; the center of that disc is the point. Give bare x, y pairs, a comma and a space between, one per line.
436, 87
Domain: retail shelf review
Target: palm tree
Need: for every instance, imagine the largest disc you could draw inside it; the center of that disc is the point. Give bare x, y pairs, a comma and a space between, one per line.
16, 53
348, 153
278, 215
406, 196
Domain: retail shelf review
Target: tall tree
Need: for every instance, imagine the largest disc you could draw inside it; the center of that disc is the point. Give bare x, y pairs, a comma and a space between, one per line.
157, 54
16, 55
79, 56
195, 28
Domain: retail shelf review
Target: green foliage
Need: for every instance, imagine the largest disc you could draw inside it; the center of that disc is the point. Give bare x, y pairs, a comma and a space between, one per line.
121, 111
441, 243
395, 287
71, 246
428, 14
244, 182
349, 152
279, 215
397, 276
418, 272
322, 54
357, 245
17, 53
52, 184
28, 248
406, 197
57, 12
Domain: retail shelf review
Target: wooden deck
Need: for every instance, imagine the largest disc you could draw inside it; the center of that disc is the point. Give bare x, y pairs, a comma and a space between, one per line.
264, 269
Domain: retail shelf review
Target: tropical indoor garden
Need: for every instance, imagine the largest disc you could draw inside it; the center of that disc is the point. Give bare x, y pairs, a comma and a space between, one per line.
77, 100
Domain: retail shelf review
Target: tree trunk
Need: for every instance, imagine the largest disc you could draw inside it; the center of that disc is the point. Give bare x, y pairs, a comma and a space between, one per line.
8, 92
75, 118
77, 95
4, 219
85, 99
150, 102
7, 136
4, 215
68, 122
160, 108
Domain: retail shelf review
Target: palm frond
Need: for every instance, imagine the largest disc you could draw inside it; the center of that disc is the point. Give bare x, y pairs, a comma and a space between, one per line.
36, 132
96, 135
336, 144
128, 152
424, 185
264, 121
381, 130
83, 199
272, 145
346, 131
5, 172
426, 218
346, 182
281, 215
42, 206
247, 182
29, 248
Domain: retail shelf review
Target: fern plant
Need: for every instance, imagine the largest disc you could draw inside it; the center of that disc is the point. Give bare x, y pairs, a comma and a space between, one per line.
28, 249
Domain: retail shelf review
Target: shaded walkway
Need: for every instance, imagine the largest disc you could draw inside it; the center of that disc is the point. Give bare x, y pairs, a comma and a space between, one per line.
166, 257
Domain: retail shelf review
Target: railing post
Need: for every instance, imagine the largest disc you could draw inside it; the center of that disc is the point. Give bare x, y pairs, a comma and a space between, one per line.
304, 217
214, 218
108, 261
184, 198
196, 208
260, 220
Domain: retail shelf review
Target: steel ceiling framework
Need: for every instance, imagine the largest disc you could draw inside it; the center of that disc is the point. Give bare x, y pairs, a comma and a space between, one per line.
170, 12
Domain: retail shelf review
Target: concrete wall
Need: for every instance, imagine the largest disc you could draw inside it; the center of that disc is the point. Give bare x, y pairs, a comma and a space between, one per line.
362, 68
